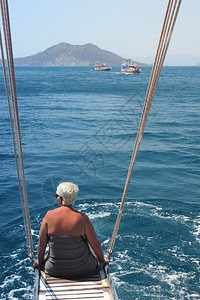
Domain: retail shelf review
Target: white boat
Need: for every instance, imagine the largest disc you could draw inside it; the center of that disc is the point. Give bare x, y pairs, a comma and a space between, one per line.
101, 67
129, 67
98, 286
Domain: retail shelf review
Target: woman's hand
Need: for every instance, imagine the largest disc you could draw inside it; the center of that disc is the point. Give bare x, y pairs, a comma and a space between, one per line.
106, 261
36, 265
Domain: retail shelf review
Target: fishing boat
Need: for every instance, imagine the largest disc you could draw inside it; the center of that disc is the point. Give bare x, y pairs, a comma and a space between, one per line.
129, 67
101, 67
100, 284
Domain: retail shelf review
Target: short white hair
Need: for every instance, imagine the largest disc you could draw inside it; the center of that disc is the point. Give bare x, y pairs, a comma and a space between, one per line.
68, 191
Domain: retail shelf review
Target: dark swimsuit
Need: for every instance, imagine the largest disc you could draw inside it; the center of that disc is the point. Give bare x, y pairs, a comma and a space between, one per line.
69, 256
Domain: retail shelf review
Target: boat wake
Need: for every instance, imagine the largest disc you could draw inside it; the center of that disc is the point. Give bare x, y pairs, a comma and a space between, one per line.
148, 266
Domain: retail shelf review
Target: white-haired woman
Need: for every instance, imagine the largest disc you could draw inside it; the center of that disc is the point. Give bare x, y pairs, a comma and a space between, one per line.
69, 234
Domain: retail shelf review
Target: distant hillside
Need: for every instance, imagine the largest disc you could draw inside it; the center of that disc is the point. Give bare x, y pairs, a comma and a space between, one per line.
65, 54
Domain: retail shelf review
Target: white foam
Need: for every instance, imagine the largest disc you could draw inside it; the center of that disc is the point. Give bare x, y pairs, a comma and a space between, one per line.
14, 255
117, 281
11, 294
106, 242
196, 233
147, 205
176, 252
34, 232
196, 261
13, 281
195, 296
99, 215
10, 280
156, 211
178, 218
173, 279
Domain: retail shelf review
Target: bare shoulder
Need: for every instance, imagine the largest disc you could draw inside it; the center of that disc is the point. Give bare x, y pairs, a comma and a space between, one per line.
49, 214
85, 219
82, 215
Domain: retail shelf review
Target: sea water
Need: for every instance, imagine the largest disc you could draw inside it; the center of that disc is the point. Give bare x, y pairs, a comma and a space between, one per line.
80, 125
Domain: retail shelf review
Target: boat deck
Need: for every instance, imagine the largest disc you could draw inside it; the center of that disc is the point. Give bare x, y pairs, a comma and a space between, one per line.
98, 286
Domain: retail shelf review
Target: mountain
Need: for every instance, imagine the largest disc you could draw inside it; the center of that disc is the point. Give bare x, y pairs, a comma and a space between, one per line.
65, 54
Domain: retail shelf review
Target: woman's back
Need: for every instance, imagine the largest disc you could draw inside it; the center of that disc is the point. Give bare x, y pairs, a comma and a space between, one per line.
65, 221
65, 227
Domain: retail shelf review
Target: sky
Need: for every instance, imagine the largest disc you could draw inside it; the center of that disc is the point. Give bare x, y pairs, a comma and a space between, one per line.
129, 28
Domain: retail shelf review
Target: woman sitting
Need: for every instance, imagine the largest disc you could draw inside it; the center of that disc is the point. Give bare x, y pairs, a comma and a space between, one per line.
69, 234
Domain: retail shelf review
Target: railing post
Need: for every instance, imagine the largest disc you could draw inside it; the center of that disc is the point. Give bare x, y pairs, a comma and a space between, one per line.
36, 284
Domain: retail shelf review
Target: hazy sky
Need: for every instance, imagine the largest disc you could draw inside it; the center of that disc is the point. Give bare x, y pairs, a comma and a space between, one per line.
130, 28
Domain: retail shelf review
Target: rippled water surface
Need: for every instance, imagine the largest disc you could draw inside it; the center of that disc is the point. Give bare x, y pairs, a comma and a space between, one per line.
80, 125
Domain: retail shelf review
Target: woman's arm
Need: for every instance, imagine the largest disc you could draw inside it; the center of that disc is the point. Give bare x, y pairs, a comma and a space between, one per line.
93, 240
43, 240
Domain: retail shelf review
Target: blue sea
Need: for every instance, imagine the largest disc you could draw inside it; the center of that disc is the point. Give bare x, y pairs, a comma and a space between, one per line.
80, 125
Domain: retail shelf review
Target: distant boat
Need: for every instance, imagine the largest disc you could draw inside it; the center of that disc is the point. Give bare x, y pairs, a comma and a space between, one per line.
101, 67
129, 67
